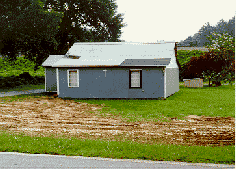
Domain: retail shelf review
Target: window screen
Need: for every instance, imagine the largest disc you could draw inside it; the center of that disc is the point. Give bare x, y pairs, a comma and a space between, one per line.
135, 78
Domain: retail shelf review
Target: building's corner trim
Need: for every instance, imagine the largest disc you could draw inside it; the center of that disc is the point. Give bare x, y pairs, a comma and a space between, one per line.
68, 80
57, 73
78, 77
164, 82
175, 50
45, 80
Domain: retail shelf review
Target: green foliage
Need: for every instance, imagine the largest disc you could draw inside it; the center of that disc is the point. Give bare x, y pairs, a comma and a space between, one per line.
184, 56
20, 65
10, 73
204, 66
220, 58
224, 47
25, 26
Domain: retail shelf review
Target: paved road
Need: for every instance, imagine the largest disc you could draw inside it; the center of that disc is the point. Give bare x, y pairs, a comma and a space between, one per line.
13, 93
21, 160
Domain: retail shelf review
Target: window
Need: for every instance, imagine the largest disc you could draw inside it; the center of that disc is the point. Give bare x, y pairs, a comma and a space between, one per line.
135, 78
73, 78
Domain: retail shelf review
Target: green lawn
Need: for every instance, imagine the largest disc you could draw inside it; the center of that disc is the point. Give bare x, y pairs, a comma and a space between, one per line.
208, 101
188, 101
114, 149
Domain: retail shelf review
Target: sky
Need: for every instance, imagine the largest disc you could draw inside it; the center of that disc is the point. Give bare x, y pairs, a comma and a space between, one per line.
170, 20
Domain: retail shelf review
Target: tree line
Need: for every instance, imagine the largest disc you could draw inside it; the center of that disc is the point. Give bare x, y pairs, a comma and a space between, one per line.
199, 39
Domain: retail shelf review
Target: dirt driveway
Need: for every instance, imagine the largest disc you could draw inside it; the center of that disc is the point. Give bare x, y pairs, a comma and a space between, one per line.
47, 115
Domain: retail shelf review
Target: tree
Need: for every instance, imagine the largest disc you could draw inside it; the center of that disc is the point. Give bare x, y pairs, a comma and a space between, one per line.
79, 20
224, 46
200, 38
25, 27
216, 65
205, 63
86, 21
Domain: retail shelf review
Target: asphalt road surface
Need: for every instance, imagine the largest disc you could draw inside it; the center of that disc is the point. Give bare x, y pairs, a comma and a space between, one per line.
13, 93
22, 160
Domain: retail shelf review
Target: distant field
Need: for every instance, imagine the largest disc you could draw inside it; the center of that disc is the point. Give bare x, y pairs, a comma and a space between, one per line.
192, 48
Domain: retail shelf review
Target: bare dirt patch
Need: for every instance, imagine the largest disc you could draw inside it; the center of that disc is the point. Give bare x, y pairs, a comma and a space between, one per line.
45, 116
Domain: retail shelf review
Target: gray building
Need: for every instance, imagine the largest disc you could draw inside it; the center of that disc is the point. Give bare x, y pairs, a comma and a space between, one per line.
114, 70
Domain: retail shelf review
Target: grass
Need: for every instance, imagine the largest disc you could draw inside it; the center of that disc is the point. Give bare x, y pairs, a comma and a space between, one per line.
188, 101
114, 149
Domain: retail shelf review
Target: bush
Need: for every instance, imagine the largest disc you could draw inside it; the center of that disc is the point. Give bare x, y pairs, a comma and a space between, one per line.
206, 62
25, 77
8, 82
184, 57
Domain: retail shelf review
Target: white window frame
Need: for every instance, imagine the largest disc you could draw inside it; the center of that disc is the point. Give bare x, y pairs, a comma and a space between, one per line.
68, 78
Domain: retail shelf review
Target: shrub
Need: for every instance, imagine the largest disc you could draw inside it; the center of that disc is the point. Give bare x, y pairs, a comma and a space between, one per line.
205, 63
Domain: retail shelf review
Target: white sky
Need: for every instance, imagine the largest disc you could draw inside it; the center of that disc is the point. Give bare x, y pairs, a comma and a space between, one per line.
170, 20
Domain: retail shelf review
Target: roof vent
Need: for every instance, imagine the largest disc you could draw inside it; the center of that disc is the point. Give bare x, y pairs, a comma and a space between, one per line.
73, 57
161, 41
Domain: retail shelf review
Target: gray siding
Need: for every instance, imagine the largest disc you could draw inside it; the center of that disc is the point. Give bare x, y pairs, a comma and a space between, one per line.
172, 81
94, 84
51, 81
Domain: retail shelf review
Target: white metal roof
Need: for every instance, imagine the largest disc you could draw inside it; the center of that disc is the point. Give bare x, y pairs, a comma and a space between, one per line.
52, 59
116, 54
